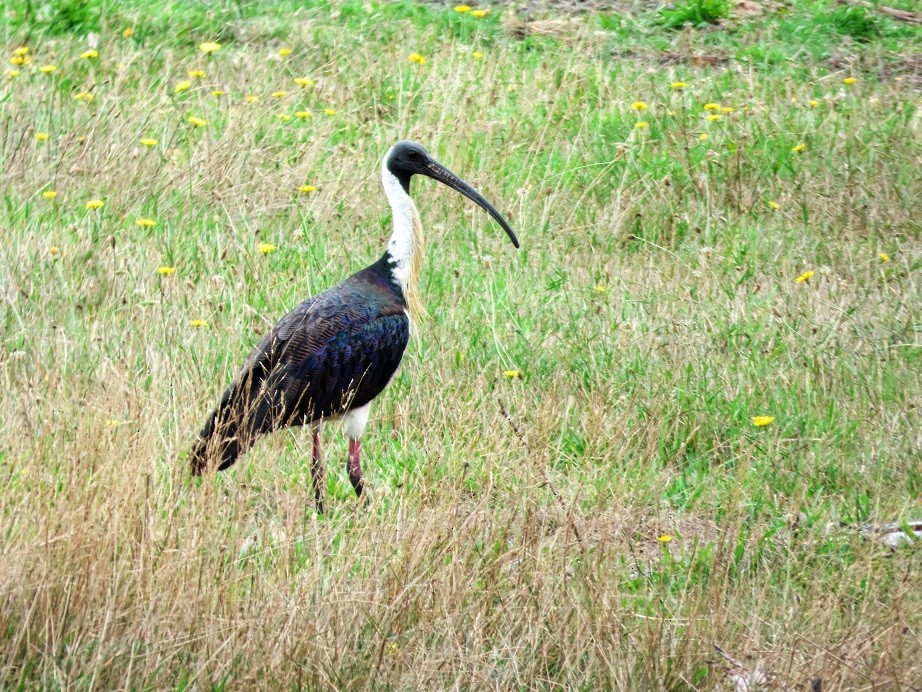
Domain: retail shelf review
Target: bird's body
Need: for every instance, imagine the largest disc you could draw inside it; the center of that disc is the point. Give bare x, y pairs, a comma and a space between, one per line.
335, 352
332, 354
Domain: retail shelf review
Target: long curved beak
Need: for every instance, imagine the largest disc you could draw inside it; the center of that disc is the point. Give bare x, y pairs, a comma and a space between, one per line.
437, 171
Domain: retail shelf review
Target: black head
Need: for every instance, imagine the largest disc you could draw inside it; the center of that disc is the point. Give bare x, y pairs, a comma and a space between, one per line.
407, 159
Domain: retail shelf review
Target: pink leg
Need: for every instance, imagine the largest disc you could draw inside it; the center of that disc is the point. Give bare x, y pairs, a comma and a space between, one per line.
354, 466
317, 472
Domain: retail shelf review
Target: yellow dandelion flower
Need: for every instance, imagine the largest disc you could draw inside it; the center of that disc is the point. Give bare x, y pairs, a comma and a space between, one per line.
307, 189
884, 257
83, 96
417, 58
197, 324
280, 94
726, 109
678, 85
284, 52
48, 69
600, 288
95, 204
209, 47
41, 136
218, 92
639, 106
803, 278
477, 55
20, 60
714, 118
479, 13
642, 124
773, 204
703, 137
114, 422
128, 32
89, 54
813, 103
146, 223
511, 374
49, 194
461, 9
22, 50
251, 99
197, 122
849, 80
284, 117
799, 148
762, 421
304, 115
664, 538
712, 106
149, 142
266, 248
12, 73
182, 86
166, 271
329, 111
304, 82
196, 74
54, 250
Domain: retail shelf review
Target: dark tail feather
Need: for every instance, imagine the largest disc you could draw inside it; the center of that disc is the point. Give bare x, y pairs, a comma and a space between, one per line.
214, 448
231, 430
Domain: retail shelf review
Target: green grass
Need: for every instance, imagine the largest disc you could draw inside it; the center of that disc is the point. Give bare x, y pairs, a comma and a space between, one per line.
517, 531
694, 13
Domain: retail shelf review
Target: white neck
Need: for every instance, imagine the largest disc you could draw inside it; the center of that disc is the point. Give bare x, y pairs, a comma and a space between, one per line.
405, 246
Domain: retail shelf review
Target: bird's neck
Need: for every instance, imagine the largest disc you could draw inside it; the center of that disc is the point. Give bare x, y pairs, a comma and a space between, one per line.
405, 248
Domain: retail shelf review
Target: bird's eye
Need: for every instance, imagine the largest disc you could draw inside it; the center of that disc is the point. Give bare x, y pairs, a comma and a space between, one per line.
412, 154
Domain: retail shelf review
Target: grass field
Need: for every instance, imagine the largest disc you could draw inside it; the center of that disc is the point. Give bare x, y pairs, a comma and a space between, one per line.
568, 487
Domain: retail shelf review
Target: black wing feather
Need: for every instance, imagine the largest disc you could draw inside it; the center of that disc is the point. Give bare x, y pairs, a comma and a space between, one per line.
334, 352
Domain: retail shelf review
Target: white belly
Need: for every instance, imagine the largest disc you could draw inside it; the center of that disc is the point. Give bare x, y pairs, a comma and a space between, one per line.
354, 421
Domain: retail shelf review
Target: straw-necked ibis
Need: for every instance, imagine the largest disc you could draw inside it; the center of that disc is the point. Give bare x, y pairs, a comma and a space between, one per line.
334, 353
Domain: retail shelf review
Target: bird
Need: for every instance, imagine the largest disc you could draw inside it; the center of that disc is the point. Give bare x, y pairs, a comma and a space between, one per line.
331, 356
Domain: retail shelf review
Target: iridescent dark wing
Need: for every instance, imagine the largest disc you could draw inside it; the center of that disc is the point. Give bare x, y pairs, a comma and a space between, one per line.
334, 352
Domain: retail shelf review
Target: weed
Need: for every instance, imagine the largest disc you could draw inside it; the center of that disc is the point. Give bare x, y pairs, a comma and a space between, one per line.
694, 12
